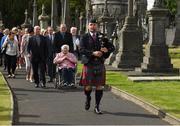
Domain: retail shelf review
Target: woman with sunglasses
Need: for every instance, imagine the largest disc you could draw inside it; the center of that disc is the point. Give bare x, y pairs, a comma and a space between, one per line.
12, 52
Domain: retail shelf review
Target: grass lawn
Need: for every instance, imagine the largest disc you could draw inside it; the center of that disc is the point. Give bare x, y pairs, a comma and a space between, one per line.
5, 103
164, 95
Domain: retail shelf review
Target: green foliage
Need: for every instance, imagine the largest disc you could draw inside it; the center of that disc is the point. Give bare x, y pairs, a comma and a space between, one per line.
174, 53
172, 6
13, 10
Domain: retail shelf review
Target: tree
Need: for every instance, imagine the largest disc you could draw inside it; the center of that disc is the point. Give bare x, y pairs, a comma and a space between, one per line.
172, 6
13, 10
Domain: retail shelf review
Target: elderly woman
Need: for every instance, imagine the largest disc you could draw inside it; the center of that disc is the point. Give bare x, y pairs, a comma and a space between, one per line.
66, 62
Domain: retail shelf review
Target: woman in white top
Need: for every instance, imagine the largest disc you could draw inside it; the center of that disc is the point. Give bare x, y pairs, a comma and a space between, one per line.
12, 52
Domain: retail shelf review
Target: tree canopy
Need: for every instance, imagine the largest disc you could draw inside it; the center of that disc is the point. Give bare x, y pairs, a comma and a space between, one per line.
172, 6
13, 10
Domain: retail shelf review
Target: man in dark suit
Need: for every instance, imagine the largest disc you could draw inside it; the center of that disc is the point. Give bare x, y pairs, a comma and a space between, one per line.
94, 49
37, 49
63, 37
51, 68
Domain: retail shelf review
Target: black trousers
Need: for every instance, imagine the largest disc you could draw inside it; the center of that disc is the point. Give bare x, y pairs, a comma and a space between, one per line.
51, 68
39, 68
11, 63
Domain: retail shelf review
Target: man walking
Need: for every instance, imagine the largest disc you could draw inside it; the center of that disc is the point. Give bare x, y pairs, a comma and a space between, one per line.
37, 49
94, 49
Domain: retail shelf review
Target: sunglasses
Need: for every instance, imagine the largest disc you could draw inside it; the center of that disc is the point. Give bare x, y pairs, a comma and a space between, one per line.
11, 33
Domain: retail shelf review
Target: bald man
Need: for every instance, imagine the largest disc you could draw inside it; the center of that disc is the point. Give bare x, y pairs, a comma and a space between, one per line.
37, 50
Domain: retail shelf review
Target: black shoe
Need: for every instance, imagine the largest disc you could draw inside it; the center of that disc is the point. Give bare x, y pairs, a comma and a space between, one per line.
36, 85
97, 110
87, 103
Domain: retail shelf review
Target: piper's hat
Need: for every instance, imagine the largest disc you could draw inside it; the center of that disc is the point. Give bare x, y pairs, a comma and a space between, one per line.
93, 20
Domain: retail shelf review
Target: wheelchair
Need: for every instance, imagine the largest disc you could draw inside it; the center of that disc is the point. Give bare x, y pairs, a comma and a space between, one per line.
60, 83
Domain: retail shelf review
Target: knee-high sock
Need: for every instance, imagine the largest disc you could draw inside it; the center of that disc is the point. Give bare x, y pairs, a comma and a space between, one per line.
88, 93
98, 96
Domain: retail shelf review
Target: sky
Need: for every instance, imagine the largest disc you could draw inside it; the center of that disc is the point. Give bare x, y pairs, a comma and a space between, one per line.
150, 4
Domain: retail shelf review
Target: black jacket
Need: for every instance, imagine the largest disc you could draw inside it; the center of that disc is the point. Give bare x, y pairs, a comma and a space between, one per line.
38, 53
59, 41
88, 46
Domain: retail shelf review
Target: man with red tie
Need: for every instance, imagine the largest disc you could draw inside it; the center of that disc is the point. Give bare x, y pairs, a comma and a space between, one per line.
94, 49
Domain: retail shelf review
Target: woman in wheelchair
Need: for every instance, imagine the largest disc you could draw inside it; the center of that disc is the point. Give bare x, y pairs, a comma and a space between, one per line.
66, 63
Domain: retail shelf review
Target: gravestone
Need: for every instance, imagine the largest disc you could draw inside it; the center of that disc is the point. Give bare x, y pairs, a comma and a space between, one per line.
130, 43
156, 57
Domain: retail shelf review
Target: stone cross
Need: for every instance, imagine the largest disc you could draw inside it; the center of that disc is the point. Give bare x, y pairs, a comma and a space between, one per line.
26, 23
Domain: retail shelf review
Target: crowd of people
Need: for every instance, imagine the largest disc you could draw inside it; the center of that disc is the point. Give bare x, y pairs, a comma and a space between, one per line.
45, 50
36, 48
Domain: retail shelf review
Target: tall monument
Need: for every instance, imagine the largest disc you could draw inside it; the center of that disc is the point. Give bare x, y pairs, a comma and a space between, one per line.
54, 14
156, 57
43, 18
35, 18
26, 23
65, 12
130, 52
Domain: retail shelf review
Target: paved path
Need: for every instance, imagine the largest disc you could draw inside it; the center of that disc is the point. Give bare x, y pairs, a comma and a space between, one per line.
36, 106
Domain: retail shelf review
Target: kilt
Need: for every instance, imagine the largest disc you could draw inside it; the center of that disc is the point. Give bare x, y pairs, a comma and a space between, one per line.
93, 75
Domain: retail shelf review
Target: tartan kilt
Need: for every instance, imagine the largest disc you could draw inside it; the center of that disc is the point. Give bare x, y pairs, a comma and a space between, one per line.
91, 77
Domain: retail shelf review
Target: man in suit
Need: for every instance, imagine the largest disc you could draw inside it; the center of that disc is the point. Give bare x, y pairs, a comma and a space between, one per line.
51, 68
63, 37
96, 49
37, 50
